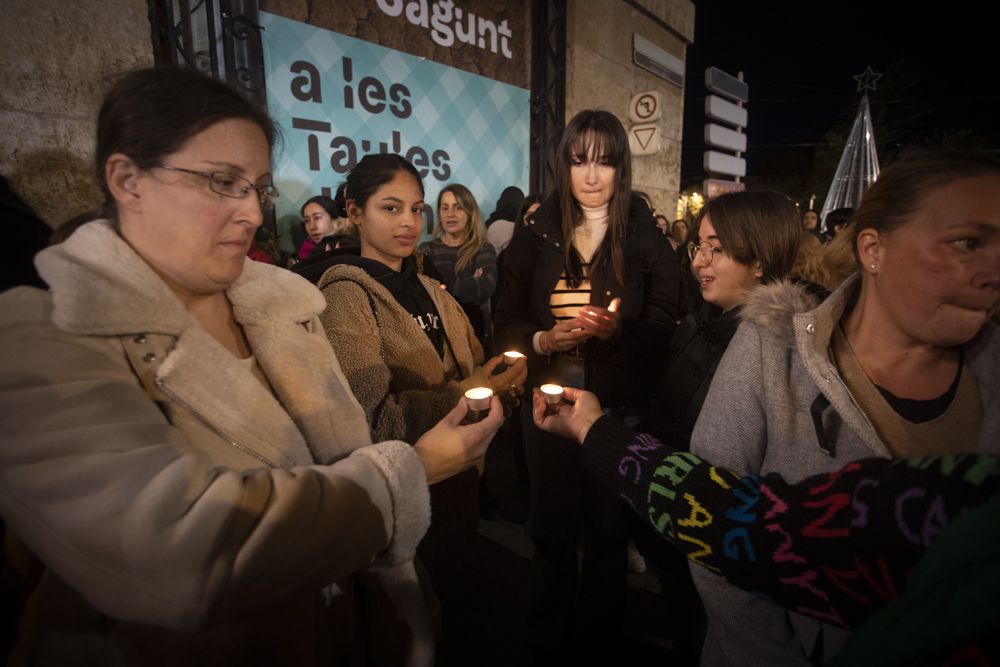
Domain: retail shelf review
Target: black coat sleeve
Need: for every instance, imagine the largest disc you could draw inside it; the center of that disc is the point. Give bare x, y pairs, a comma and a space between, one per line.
513, 323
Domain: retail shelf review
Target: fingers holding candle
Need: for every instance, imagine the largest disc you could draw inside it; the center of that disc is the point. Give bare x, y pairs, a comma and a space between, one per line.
500, 363
478, 399
553, 395
510, 357
551, 412
600, 322
510, 380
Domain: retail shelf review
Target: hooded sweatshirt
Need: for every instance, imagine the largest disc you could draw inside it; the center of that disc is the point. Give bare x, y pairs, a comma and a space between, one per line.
405, 287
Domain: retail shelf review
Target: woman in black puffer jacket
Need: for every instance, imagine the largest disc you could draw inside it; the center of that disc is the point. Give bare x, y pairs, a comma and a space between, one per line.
590, 295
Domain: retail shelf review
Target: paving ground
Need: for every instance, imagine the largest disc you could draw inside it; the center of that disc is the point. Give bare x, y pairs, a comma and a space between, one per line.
494, 631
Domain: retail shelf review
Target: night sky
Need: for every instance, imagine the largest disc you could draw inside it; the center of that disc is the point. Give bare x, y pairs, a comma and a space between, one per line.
941, 66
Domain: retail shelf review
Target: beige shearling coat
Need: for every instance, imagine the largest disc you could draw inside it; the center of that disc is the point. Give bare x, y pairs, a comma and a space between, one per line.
184, 512
394, 369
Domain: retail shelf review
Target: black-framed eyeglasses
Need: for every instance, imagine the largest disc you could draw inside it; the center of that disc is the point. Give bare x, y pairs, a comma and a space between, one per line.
706, 250
231, 185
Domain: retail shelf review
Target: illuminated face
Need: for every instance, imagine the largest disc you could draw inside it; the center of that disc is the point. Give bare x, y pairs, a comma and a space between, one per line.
454, 219
389, 224
938, 274
318, 222
592, 179
810, 220
724, 282
195, 239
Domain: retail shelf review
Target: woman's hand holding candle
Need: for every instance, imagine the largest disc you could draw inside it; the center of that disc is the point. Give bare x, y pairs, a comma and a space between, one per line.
451, 446
571, 419
600, 322
511, 380
564, 335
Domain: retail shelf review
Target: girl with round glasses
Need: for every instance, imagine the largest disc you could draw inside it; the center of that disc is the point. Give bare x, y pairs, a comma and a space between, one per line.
899, 361
744, 239
182, 461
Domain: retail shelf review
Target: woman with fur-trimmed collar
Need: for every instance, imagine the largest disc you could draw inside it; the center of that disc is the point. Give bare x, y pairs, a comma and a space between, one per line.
179, 450
898, 361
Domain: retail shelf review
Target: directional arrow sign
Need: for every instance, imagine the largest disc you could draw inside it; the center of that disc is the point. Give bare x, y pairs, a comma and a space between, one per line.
720, 163
727, 112
721, 137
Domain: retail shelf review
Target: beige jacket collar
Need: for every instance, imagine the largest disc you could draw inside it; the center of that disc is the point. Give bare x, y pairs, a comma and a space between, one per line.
100, 286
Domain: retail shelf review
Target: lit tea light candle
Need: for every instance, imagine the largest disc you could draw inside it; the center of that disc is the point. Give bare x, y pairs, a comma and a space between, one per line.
509, 357
478, 398
553, 395
512, 356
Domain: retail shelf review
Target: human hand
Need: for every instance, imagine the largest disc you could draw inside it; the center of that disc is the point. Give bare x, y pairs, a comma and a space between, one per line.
451, 447
569, 421
601, 322
510, 380
565, 335
478, 273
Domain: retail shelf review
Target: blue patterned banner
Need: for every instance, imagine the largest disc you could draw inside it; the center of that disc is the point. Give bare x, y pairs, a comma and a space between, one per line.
337, 98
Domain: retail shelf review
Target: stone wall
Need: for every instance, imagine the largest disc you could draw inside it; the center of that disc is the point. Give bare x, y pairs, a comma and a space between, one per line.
58, 59
600, 74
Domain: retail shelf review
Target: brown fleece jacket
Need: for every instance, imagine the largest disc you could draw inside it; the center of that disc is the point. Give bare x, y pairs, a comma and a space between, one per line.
393, 369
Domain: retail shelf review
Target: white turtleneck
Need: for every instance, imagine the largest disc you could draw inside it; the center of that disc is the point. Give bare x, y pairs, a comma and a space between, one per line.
590, 233
566, 301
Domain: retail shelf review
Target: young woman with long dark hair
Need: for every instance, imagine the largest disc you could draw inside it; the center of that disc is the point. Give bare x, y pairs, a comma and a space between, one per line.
590, 293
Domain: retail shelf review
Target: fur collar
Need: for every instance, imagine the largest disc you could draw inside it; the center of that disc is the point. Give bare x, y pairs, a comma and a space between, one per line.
100, 286
774, 305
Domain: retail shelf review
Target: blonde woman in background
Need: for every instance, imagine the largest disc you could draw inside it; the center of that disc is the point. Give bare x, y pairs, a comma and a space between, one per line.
466, 262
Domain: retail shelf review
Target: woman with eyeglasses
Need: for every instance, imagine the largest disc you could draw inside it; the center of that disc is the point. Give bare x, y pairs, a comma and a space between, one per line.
744, 239
899, 361
184, 472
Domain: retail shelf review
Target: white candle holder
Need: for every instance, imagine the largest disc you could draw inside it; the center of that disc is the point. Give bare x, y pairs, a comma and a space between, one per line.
553, 395
510, 357
478, 399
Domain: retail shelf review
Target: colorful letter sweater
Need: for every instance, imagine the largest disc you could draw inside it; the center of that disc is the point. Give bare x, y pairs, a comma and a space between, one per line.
835, 546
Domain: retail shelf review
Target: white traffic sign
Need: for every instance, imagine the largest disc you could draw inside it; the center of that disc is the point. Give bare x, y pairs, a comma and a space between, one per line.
645, 107
721, 137
713, 187
720, 163
644, 139
727, 112
726, 85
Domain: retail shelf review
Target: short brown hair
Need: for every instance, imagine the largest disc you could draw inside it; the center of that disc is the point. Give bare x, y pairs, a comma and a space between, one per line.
150, 113
903, 186
760, 226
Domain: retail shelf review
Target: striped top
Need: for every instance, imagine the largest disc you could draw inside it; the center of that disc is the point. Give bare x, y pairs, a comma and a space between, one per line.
566, 301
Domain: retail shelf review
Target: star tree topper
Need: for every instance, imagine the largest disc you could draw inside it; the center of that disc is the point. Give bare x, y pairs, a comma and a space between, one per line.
867, 79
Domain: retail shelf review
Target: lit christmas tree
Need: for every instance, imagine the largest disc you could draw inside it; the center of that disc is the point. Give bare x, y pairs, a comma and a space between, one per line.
858, 167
